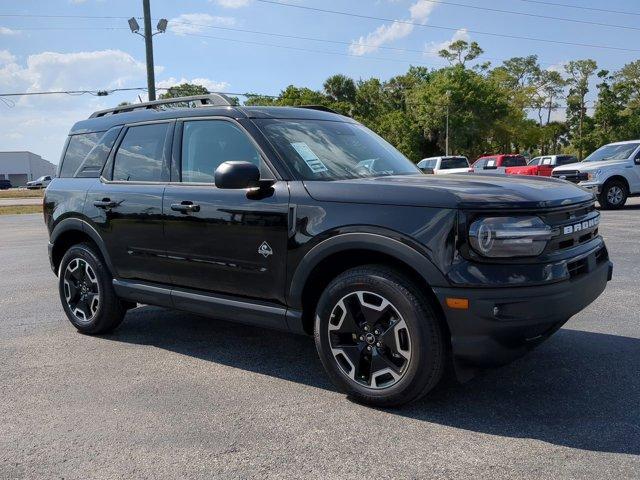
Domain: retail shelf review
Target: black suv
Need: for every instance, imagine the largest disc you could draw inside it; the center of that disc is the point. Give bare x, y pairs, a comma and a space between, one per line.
303, 220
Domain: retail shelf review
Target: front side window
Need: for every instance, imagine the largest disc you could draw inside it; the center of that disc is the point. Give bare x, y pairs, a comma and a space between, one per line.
77, 149
140, 155
328, 150
208, 143
612, 152
535, 161
454, 162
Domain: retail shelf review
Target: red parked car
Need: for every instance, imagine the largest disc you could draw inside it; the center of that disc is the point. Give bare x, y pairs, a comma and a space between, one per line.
499, 162
542, 166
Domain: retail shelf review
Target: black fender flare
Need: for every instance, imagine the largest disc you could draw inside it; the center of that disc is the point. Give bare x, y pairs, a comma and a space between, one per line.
362, 241
78, 224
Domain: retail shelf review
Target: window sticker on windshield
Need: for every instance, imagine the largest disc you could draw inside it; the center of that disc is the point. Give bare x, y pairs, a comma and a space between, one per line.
310, 158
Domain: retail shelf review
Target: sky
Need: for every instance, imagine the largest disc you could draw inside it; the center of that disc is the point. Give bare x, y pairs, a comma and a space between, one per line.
242, 46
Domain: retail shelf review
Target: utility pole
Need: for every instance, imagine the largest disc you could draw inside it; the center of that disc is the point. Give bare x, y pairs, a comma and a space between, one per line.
148, 43
446, 148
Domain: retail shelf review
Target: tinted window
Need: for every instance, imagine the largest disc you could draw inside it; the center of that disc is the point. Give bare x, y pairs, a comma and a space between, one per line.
564, 160
514, 162
95, 159
455, 162
139, 157
208, 143
78, 148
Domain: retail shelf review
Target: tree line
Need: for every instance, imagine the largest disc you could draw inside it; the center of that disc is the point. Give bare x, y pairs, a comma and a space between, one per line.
508, 108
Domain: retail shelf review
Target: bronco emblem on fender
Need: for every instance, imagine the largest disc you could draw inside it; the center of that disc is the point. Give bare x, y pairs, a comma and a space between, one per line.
265, 249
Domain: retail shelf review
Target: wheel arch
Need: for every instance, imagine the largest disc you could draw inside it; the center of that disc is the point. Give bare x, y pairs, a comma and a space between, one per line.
337, 254
618, 177
71, 231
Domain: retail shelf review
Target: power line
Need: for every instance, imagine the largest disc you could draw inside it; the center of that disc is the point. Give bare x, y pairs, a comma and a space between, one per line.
579, 7
440, 27
315, 39
300, 49
535, 15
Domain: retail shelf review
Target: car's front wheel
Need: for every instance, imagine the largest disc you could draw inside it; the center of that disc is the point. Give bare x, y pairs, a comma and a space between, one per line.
378, 337
86, 291
613, 195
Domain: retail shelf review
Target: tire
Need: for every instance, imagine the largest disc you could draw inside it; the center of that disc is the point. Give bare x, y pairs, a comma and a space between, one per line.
614, 195
378, 337
86, 291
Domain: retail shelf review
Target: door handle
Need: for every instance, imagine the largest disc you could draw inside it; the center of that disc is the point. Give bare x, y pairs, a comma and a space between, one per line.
105, 203
185, 207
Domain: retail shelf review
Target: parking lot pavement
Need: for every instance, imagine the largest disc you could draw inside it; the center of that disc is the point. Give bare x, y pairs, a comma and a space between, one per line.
172, 395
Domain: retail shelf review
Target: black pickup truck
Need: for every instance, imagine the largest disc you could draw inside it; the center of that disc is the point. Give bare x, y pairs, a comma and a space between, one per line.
304, 220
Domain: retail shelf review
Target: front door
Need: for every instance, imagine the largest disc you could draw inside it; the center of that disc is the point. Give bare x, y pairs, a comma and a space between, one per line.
126, 205
223, 241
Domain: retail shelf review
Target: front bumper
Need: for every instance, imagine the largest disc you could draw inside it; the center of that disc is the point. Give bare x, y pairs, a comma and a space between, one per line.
502, 324
594, 188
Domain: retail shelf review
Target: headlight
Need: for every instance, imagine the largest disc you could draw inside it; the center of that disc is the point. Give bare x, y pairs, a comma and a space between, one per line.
509, 236
593, 175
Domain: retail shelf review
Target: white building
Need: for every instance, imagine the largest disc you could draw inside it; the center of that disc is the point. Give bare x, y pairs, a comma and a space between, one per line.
22, 167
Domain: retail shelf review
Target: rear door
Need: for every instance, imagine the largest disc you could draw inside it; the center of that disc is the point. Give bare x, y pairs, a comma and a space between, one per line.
224, 241
126, 204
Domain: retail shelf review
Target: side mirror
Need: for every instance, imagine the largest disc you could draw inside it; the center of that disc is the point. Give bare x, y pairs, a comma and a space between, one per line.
427, 170
237, 175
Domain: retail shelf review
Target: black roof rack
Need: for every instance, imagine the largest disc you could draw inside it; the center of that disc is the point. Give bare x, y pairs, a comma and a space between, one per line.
195, 101
321, 108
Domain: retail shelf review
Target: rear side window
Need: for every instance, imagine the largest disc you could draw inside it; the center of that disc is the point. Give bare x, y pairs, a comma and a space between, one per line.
514, 162
92, 165
140, 155
77, 149
455, 162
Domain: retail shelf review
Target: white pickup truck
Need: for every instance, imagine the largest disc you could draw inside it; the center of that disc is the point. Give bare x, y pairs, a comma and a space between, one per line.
612, 172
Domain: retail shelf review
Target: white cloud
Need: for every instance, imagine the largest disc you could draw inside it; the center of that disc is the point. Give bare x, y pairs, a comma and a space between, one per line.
6, 57
8, 31
41, 123
207, 83
232, 3
189, 23
432, 48
418, 13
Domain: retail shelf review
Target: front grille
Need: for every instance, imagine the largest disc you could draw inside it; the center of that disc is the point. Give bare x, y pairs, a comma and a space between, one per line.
573, 226
573, 176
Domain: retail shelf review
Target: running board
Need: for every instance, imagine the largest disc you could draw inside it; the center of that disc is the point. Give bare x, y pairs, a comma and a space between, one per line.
224, 307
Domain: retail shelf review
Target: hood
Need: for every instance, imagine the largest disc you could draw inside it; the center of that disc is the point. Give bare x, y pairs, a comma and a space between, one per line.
589, 166
464, 190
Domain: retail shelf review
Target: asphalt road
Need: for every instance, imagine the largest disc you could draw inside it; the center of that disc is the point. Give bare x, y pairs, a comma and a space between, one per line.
171, 395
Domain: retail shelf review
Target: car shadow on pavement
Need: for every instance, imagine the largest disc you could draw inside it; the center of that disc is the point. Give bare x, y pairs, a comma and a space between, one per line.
579, 389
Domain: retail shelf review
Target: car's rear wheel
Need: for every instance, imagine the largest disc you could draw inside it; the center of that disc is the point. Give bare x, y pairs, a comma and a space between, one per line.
86, 291
614, 195
378, 337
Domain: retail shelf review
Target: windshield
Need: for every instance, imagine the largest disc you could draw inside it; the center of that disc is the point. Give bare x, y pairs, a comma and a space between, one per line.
41, 179
612, 152
454, 162
328, 150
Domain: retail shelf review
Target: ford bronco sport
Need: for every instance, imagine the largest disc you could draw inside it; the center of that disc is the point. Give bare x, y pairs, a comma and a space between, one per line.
304, 220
